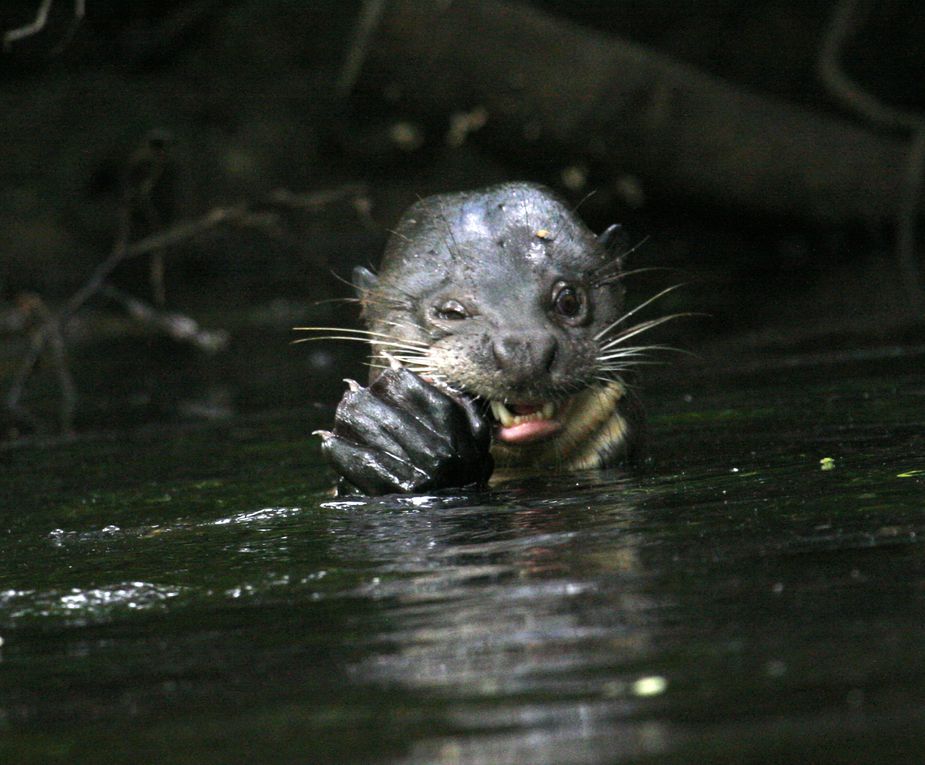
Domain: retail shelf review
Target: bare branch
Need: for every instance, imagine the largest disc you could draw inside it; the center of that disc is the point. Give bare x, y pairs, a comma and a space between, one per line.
27, 30
48, 333
37, 343
848, 16
39, 22
176, 325
315, 200
66, 385
370, 15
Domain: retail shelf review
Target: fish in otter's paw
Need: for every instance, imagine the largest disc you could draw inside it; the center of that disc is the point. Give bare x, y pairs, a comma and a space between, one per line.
498, 336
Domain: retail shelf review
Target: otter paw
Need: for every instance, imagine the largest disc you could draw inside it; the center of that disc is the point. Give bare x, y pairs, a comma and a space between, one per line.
402, 434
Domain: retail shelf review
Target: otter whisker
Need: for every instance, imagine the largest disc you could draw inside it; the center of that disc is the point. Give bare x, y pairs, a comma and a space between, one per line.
638, 308
361, 339
627, 352
328, 337
639, 328
449, 230
523, 205
581, 201
632, 365
605, 381
404, 356
336, 300
633, 350
636, 246
387, 303
402, 325
412, 353
618, 364
357, 340
611, 278
655, 348
604, 271
401, 236
420, 370
368, 334
410, 350
628, 365
376, 296
411, 363
561, 214
603, 360
357, 330
630, 386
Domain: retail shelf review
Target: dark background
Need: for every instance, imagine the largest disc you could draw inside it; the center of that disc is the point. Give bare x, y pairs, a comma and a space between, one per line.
246, 93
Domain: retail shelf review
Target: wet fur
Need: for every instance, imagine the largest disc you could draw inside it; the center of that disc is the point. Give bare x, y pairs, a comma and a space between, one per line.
497, 251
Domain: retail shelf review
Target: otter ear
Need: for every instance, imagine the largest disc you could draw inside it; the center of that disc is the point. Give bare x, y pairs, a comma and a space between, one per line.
364, 281
614, 238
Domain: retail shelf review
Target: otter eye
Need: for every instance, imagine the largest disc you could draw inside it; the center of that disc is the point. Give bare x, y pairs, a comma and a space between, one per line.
568, 301
451, 310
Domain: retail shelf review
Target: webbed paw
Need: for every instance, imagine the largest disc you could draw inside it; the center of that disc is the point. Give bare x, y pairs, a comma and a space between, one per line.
402, 434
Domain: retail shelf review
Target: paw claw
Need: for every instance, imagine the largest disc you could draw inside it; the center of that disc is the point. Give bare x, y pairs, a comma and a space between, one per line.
393, 362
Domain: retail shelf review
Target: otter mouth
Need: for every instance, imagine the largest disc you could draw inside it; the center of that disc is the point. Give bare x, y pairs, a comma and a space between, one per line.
526, 422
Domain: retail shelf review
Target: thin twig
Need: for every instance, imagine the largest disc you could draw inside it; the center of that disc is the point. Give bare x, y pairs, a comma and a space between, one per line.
80, 10
37, 343
41, 20
315, 200
35, 315
849, 14
92, 285
50, 330
27, 30
178, 326
186, 230
370, 14
65, 379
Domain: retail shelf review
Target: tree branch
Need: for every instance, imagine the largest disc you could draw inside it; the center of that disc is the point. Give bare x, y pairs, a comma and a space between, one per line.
49, 331
550, 87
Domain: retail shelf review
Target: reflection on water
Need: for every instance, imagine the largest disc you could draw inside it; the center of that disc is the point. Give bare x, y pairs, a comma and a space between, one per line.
736, 602
530, 618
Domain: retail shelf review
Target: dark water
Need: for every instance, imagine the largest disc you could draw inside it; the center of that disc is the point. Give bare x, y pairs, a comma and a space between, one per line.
192, 596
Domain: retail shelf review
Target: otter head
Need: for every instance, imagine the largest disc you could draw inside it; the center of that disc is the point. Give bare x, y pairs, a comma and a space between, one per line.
502, 294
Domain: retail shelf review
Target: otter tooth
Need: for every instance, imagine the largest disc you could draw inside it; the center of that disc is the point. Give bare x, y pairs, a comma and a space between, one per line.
549, 410
353, 384
502, 413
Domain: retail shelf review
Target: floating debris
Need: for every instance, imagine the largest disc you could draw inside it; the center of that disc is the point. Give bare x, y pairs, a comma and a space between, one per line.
653, 685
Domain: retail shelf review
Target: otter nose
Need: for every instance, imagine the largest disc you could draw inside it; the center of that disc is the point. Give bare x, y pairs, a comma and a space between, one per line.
522, 355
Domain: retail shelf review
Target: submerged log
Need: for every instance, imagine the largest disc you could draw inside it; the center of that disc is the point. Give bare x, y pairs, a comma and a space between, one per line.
548, 83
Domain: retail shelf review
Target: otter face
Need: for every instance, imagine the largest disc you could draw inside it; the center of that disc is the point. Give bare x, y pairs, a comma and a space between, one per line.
503, 295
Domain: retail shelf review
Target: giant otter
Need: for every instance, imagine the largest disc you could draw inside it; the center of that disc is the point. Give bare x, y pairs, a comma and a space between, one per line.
498, 337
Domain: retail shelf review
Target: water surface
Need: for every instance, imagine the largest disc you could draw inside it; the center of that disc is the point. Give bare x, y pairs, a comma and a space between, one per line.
757, 594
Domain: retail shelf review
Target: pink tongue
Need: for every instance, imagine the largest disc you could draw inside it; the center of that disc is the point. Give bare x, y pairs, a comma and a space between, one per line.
528, 431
